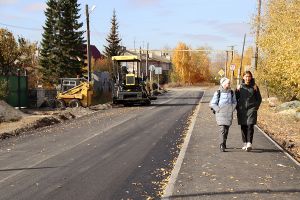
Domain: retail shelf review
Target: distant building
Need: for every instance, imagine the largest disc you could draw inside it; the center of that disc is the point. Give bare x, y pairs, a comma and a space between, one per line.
156, 58
95, 53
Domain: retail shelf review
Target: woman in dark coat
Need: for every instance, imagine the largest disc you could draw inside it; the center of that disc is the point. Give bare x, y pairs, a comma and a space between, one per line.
248, 102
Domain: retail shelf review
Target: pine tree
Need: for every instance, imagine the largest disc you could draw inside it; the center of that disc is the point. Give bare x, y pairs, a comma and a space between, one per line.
62, 53
114, 47
48, 60
72, 38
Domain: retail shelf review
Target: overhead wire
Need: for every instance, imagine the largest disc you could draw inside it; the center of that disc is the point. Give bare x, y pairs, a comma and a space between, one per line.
21, 27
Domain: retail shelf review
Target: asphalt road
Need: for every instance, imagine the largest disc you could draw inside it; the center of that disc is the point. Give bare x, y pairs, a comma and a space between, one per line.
121, 153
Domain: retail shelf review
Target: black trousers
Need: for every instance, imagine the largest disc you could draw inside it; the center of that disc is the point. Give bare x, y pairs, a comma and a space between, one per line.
223, 134
247, 133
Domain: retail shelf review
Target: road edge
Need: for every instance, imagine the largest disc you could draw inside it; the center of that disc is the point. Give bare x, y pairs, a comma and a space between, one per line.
168, 191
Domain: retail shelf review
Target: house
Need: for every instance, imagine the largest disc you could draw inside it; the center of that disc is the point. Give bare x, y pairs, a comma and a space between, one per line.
95, 53
156, 58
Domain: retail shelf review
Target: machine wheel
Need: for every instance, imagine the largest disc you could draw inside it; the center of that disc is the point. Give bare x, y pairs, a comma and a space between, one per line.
115, 101
60, 103
146, 102
127, 104
74, 103
51, 103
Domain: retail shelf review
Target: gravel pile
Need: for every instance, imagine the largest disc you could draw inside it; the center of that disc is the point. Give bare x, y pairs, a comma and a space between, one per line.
9, 113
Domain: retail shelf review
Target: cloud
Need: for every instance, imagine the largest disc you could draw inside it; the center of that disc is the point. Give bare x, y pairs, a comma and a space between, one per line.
206, 22
8, 2
205, 37
12, 17
35, 7
165, 13
235, 29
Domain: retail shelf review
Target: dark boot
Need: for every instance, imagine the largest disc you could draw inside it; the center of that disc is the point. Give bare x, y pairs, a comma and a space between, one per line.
222, 147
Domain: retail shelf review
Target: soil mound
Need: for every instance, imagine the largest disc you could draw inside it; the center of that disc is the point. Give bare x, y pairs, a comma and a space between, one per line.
9, 113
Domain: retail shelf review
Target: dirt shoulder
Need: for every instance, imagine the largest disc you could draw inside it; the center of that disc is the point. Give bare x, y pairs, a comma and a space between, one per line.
282, 127
36, 118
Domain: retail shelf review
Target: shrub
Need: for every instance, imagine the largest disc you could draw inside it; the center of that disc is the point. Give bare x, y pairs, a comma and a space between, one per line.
3, 89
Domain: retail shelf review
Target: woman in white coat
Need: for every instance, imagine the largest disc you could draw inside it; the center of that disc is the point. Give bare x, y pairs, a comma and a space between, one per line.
223, 103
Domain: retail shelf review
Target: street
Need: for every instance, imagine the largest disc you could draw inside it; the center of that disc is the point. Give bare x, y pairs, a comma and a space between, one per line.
121, 153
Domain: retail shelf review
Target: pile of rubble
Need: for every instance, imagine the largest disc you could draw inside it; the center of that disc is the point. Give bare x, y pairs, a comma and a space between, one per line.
8, 113
291, 108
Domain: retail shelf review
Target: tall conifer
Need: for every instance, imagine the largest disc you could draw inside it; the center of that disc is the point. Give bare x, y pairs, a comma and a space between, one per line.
62, 52
114, 47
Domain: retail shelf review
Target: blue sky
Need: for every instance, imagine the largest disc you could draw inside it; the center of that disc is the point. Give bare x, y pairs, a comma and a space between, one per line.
161, 23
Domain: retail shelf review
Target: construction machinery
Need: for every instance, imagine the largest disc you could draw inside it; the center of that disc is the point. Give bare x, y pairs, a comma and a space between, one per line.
128, 87
74, 92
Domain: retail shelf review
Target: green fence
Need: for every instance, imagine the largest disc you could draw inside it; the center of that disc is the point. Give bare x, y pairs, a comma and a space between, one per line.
17, 90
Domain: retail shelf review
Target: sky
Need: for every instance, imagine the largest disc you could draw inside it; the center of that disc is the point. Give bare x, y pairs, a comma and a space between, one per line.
217, 24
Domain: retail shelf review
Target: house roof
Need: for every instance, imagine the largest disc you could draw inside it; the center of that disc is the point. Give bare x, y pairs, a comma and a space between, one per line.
95, 53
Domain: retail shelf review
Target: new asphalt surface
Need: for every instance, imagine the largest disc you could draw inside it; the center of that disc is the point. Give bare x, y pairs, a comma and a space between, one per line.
119, 153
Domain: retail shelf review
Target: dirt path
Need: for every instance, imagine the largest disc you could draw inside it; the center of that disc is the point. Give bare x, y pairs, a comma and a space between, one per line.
33, 119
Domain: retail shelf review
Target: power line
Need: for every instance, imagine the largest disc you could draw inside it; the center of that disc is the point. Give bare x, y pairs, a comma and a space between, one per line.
189, 50
21, 27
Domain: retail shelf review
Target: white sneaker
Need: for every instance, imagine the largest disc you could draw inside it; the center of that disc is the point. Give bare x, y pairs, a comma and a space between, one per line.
249, 146
244, 147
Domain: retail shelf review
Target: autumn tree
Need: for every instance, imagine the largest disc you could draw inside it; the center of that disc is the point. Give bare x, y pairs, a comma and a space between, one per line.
9, 51
190, 66
29, 61
181, 63
246, 64
279, 44
200, 63
102, 64
16, 53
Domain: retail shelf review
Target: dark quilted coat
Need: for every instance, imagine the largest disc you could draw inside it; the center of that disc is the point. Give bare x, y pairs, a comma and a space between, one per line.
248, 102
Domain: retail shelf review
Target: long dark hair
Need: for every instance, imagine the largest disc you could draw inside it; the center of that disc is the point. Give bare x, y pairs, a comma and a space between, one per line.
252, 81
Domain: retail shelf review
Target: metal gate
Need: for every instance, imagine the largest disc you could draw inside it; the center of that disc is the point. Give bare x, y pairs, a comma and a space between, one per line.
17, 90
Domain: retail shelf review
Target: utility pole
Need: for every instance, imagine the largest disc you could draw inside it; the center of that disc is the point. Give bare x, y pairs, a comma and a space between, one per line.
139, 64
232, 50
226, 67
257, 33
231, 71
88, 42
240, 69
147, 52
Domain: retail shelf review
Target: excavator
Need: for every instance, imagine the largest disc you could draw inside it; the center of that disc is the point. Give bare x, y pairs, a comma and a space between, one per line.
74, 92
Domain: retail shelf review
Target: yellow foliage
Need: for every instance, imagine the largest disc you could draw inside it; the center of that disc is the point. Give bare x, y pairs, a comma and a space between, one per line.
279, 43
188, 66
247, 57
181, 62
